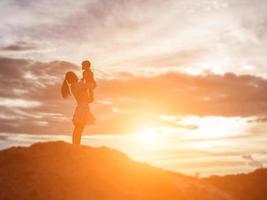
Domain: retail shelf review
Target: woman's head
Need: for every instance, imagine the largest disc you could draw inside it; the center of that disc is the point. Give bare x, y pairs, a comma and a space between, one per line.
70, 77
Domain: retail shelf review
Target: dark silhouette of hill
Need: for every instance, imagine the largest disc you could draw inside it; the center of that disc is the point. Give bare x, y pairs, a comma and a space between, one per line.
58, 170
251, 186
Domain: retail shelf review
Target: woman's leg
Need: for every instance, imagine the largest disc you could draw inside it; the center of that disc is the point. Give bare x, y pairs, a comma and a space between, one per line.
77, 133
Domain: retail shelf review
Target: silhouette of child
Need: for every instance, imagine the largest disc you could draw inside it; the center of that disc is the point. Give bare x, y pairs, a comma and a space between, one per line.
88, 78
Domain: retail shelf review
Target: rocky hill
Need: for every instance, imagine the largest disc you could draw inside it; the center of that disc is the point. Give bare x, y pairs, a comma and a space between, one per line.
252, 186
58, 170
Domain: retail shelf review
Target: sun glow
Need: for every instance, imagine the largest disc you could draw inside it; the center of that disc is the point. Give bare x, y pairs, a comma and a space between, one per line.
148, 137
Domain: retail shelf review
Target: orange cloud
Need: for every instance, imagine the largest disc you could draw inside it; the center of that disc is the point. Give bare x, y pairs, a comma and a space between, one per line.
122, 102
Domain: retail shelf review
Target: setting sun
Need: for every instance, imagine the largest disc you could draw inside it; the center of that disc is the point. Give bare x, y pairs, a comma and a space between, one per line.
148, 137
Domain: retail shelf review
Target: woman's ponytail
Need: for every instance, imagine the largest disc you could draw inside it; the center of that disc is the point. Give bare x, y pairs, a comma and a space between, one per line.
65, 90
70, 77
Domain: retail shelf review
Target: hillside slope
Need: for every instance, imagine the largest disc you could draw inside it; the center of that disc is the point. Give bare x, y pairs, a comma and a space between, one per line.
58, 170
252, 186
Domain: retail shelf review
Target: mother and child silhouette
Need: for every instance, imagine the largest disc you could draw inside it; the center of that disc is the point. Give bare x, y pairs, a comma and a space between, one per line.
82, 90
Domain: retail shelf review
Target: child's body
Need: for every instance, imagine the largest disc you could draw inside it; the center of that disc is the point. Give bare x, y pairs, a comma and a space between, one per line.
88, 78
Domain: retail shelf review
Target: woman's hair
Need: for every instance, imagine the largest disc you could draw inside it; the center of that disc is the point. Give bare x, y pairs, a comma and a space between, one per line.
70, 77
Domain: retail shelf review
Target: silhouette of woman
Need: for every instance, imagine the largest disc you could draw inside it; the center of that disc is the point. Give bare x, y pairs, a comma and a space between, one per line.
82, 115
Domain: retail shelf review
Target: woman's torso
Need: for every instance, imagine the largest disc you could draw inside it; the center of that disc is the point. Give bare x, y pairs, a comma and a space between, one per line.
79, 91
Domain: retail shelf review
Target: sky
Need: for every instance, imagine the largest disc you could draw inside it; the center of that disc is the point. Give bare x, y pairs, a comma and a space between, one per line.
180, 84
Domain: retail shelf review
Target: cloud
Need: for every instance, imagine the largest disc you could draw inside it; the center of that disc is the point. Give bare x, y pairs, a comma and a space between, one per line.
3, 137
173, 93
21, 103
19, 46
259, 119
130, 34
30, 98
251, 161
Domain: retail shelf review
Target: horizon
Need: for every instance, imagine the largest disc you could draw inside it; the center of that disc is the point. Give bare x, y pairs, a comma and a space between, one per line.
180, 84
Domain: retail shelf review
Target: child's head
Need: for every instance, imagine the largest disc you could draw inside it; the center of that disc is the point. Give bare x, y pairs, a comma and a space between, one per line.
86, 64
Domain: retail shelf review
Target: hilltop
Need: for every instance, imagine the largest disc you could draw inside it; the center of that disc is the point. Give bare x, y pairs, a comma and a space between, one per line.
58, 170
